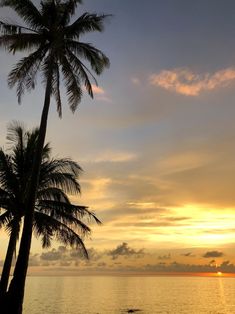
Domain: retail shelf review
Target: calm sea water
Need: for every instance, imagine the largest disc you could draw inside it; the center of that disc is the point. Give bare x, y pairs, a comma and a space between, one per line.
115, 295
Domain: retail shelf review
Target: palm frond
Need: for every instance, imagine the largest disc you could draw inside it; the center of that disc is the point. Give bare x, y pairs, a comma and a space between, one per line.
64, 213
86, 23
16, 134
5, 218
14, 223
66, 165
79, 68
64, 181
8, 179
4, 194
25, 71
50, 13
8, 29
56, 88
60, 173
49, 227
62, 209
96, 58
68, 9
52, 194
72, 84
71, 49
27, 11
21, 42
5, 200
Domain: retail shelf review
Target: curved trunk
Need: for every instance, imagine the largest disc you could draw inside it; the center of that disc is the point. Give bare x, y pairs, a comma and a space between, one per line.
13, 302
9, 256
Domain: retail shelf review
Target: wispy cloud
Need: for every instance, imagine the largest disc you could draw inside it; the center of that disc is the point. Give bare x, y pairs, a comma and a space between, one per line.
115, 156
111, 156
186, 82
100, 93
98, 90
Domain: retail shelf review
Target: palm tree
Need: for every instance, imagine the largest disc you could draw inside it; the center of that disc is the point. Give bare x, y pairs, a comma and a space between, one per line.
54, 215
55, 49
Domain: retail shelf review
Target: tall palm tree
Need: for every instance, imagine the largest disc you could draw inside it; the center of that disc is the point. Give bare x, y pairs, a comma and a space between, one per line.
55, 48
54, 215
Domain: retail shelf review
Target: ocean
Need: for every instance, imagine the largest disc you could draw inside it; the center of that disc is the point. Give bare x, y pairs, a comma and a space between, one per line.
143, 295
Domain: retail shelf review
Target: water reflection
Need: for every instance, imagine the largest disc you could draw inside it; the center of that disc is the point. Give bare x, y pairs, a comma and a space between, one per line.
116, 295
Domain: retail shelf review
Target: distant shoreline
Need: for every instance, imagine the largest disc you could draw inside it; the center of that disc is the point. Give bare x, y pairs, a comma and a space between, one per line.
175, 274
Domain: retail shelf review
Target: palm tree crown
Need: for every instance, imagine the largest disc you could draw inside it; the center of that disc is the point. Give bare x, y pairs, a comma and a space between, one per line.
55, 47
54, 215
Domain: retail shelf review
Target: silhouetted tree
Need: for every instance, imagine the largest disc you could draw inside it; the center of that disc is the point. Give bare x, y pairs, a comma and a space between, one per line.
57, 49
55, 216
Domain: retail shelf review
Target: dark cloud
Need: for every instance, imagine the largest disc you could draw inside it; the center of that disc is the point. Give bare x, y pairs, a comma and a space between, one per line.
189, 254
93, 254
115, 260
62, 249
126, 251
53, 255
165, 257
225, 267
228, 267
211, 254
34, 260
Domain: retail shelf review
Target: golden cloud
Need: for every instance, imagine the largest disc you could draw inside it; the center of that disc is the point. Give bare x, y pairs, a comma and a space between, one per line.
186, 82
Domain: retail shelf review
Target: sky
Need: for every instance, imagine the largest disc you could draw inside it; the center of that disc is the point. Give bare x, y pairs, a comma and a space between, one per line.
156, 144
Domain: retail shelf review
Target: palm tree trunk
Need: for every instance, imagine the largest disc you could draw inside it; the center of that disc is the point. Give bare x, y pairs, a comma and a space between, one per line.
9, 256
14, 299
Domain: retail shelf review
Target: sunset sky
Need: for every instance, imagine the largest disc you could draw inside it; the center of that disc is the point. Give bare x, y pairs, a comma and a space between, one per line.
157, 142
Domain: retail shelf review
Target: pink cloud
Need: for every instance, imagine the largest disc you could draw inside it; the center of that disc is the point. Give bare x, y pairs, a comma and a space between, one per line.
186, 82
98, 90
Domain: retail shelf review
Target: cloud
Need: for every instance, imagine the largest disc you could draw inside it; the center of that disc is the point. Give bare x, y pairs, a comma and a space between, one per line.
126, 251
33, 260
186, 82
213, 254
189, 254
53, 255
164, 257
98, 90
175, 267
100, 94
123, 258
114, 156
